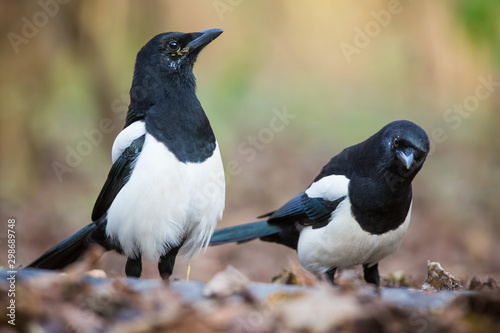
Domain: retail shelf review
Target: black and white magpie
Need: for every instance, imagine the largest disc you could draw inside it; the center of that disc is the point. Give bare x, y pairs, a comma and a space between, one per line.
355, 212
166, 190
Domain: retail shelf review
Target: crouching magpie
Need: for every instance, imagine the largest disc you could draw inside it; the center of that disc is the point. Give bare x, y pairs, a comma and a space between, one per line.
165, 191
355, 212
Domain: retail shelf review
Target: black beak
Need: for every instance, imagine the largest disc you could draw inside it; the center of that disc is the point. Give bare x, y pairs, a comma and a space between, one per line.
406, 156
203, 39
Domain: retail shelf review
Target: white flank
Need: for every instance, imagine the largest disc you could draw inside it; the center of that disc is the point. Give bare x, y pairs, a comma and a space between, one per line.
329, 188
125, 138
167, 201
342, 243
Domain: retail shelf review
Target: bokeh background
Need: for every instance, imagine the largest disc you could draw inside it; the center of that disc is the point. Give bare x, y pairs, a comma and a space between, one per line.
343, 69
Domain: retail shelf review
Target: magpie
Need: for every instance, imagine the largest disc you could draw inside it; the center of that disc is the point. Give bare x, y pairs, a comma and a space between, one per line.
165, 191
355, 212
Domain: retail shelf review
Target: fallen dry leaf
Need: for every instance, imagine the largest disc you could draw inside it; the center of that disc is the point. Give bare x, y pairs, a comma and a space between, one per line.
226, 283
439, 279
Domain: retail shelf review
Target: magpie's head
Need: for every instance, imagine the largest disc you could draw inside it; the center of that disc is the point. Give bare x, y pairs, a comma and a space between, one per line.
405, 147
167, 61
173, 52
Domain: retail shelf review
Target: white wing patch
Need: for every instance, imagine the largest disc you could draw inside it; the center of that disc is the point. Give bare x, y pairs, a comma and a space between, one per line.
329, 188
126, 137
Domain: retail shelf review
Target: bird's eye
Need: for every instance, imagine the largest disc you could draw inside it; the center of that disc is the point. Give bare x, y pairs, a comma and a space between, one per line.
173, 46
395, 142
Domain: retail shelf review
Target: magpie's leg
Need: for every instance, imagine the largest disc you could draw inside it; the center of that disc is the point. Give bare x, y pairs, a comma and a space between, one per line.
371, 274
167, 261
133, 268
330, 274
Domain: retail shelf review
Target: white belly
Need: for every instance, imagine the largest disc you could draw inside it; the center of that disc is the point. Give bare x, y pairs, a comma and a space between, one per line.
166, 202
342, 243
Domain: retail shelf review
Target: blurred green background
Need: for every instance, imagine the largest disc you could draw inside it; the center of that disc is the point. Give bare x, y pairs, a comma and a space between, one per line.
343, 69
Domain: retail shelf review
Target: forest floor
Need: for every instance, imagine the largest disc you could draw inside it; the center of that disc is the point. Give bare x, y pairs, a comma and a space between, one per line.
83, 299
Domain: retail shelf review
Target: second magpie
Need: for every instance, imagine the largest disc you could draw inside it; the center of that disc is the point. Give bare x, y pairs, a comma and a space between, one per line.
355, 212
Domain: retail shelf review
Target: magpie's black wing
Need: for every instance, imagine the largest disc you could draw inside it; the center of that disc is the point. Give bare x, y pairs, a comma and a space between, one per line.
292, 208
315, 212
118, 176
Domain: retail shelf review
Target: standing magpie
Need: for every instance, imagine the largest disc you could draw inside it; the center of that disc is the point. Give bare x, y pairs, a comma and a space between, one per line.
355, 212
166, 190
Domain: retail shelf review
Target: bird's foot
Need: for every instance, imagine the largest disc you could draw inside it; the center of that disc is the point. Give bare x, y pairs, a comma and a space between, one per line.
330, 274
133, 268
371, 274
166, 263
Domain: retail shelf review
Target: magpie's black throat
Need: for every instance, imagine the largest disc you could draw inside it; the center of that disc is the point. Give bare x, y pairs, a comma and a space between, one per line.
378, 206
185, 130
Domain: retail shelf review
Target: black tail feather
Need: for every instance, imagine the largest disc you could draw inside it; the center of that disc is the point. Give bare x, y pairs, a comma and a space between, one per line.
66, 252
243, 232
